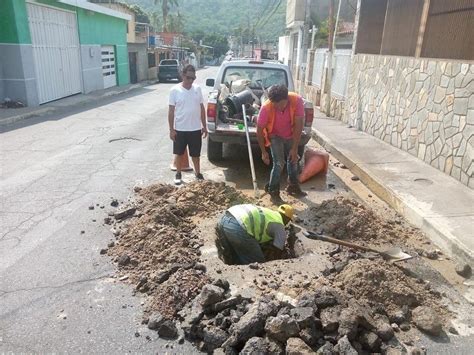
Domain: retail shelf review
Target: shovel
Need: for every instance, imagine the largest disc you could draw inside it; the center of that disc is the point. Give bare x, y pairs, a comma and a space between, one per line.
392, 254
249, 146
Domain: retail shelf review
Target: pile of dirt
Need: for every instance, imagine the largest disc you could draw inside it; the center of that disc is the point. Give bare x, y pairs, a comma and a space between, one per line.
158, 246
345, 218
355, 305
195, 199
379, 283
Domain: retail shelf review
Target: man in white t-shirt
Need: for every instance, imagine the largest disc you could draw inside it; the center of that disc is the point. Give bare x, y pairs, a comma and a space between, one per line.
187, 121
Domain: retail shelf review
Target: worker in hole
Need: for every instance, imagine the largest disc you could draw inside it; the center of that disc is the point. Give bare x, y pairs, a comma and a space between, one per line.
244, 229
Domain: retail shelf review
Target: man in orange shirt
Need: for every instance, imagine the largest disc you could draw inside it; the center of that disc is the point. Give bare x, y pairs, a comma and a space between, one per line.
279, 126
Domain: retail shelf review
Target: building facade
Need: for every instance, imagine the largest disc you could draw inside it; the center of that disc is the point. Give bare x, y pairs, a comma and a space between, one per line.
51, 49
408, 80
412, 80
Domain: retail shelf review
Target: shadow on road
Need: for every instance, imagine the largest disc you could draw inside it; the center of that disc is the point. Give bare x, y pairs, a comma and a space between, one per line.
74, 108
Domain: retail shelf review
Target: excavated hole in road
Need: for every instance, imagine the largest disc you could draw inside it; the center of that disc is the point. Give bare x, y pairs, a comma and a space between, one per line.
293, 249
165, 247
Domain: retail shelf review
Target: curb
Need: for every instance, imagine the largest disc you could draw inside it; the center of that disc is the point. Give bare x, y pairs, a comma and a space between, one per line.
42, 111
443, 239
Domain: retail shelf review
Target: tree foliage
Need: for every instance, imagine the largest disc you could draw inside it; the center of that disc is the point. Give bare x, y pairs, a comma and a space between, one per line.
262, 20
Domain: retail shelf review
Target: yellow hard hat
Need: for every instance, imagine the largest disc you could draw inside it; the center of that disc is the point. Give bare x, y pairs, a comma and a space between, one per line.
287, 210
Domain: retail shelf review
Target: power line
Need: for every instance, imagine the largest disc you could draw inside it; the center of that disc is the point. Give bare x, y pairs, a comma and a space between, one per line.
271, 15
268, 6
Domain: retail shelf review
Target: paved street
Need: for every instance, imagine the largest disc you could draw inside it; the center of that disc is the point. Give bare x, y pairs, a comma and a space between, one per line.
56, 291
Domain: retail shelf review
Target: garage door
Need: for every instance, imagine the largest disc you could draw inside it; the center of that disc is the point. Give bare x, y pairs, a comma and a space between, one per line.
56, 57
108, 66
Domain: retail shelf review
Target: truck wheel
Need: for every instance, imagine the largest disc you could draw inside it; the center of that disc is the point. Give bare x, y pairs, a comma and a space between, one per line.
214, 150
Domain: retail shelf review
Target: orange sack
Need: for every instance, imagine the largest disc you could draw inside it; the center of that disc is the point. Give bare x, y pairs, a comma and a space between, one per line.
314, 162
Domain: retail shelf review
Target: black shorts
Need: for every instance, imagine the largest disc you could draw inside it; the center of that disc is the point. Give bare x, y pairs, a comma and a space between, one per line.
190, 139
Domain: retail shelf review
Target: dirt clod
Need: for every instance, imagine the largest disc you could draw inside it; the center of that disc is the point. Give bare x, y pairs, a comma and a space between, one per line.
427, 320
463, 270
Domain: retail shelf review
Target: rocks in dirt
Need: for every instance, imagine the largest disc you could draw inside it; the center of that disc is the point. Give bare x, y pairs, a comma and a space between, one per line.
405, 327
258, 345
281, 327
123, 260
214, 337
252, 322
114, 203
224, 284
370, 341
427, 320
400, 316
211, 294
463, 270
311, 335
320, 298
417, 351
304, 317
155, 321
384, 330
348, 324
296, 346
125, 213
355, 178
330, 318
431, 254
168, 330
326, 349
345, 347
228, 303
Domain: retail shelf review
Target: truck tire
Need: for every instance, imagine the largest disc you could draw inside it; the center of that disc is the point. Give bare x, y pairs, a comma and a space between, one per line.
214, 150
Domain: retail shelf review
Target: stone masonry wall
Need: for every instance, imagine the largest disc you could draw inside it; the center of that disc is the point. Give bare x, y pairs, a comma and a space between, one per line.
423, 106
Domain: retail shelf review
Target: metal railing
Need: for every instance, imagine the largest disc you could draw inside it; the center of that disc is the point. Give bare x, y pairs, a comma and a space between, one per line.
341, 69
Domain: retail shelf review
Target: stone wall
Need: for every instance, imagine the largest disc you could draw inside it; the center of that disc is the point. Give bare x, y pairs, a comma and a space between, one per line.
422, 106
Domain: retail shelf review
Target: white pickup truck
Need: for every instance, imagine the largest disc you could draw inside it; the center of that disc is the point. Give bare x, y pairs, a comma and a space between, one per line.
238, 82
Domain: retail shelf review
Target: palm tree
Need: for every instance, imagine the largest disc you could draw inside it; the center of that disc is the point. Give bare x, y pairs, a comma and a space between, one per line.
165, 8
176, 23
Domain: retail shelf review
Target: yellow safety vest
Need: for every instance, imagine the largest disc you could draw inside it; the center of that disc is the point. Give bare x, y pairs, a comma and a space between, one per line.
255, 220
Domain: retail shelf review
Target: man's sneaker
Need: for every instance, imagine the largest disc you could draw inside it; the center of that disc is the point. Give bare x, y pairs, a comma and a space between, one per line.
177, 179
295, 190
199, 177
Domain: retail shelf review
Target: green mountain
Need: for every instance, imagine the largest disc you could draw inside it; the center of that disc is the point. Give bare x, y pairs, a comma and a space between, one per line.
265, 18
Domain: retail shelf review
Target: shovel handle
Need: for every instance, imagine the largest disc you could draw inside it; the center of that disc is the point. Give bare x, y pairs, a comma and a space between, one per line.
324, 238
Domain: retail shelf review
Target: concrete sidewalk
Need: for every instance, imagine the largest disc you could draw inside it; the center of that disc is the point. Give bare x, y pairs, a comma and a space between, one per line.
11, 115
431, 200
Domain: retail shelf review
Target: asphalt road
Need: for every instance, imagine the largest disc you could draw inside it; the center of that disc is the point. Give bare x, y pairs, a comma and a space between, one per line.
57, 293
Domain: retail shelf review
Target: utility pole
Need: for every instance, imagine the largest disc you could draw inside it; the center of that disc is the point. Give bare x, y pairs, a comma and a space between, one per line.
304, 48
331, 40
